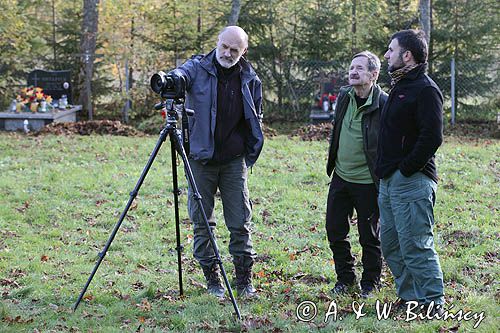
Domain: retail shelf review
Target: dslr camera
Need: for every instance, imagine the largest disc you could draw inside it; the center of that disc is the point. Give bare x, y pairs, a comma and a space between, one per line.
169, 86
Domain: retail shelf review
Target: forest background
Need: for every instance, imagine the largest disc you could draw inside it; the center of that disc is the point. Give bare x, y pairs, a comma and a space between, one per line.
61, 194
293, 44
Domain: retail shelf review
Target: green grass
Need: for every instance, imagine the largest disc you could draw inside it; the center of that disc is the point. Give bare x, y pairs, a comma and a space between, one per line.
61, 196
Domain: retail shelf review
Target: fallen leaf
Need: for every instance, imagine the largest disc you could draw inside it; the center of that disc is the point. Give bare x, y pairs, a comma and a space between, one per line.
324, 297
85, 314
196, 283
205, 326
138, 285
44, 258
9, 282
141, 266
252, 323
17, 320
23, 208
98, 203
144, 305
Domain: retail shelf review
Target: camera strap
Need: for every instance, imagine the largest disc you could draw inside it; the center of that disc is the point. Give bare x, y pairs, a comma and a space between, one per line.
185, 131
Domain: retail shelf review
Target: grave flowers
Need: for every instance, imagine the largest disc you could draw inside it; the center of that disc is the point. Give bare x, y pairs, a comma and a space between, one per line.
32, 99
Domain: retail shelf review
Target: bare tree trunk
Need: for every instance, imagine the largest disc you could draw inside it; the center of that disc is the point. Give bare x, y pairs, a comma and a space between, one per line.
198, 28
353, 27
235, 12
54, 34
431, 43
176, 49
129, 69
128, 102
132, 51
424, 7
87, 49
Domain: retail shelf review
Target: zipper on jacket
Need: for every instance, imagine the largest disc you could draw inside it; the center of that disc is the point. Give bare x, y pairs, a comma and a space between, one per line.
366, 135
402, 142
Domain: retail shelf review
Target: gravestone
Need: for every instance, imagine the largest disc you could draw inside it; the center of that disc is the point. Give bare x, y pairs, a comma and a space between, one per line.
53, 83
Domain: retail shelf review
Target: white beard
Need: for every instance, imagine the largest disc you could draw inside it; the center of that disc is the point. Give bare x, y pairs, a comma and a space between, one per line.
224, 62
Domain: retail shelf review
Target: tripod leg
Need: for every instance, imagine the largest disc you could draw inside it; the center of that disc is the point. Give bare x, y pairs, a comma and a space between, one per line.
133, 194
175, 137
176, 209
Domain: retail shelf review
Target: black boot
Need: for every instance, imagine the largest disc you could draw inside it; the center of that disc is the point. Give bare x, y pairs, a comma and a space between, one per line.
214, 284
244, 286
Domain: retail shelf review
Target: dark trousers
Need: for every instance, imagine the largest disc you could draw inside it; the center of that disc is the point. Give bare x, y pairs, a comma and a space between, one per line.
343, 197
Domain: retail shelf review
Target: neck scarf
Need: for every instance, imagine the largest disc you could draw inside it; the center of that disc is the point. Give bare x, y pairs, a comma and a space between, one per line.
398, 74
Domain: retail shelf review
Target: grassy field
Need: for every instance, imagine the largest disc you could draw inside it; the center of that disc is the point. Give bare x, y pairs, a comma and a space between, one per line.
61, 196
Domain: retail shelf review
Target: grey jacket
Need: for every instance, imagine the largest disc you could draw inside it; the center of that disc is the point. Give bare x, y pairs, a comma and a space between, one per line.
201, 96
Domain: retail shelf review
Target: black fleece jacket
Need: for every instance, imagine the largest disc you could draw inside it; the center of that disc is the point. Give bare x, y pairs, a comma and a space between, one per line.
411, 127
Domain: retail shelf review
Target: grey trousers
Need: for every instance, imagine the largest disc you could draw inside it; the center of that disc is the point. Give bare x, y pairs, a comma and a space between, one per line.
231, 180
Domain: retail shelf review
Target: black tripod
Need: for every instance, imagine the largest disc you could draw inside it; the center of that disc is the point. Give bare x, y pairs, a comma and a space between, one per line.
171, 130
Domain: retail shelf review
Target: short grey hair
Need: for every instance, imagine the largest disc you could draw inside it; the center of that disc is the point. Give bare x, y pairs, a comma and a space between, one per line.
373, 60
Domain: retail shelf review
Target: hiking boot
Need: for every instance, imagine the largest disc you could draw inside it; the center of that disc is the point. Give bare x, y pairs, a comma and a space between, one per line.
367, 290
400, 305
432, 310
244, 287
341, 289
214, 284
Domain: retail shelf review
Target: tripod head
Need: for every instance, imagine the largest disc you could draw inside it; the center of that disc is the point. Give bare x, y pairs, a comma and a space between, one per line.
175, 107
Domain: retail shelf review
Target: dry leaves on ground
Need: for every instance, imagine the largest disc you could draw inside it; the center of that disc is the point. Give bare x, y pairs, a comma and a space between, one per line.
108, 127
316, 132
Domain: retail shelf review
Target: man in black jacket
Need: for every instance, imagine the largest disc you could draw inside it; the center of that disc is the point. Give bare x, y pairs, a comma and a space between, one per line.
352, 154
410, 133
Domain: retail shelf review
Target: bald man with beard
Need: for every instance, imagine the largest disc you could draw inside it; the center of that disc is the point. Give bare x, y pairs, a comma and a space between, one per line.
225, 141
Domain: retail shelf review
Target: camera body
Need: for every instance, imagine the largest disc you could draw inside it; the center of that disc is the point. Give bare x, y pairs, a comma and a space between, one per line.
169, 86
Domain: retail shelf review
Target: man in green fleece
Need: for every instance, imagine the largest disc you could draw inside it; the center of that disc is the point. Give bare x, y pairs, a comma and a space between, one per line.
352, 158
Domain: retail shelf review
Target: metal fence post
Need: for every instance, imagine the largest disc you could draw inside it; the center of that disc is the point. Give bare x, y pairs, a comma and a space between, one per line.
452, 91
